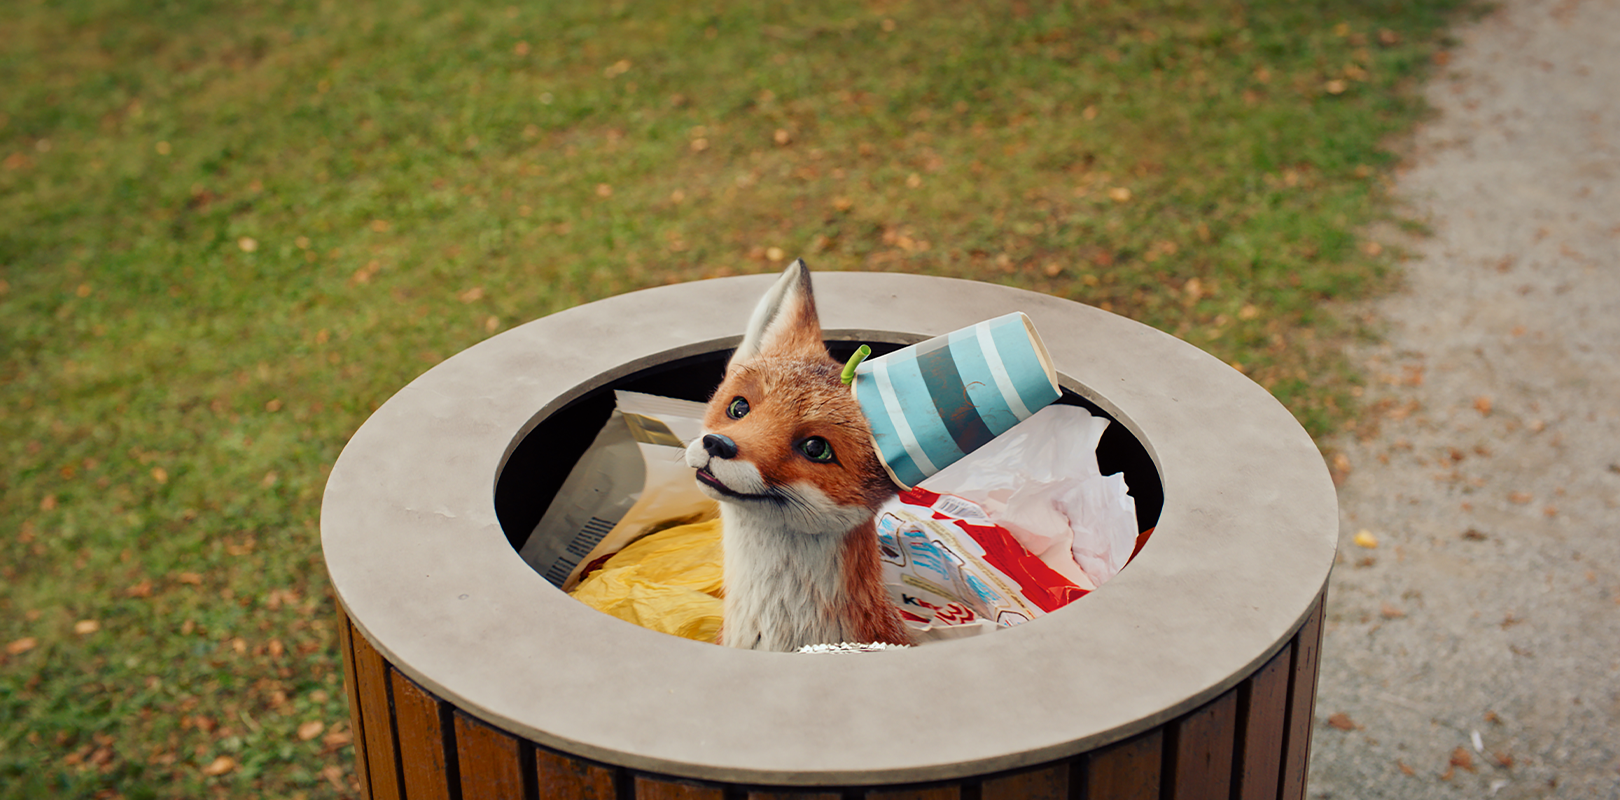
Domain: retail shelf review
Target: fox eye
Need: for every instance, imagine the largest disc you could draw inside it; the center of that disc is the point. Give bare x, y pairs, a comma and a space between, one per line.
816, 448
738, 408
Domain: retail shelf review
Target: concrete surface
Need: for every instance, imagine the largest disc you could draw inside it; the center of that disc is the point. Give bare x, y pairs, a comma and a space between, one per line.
1488, 613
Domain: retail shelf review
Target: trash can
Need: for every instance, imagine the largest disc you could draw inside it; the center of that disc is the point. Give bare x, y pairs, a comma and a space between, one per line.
1192, 673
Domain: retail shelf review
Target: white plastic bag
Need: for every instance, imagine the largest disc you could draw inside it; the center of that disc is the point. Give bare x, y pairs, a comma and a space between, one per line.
1041, 482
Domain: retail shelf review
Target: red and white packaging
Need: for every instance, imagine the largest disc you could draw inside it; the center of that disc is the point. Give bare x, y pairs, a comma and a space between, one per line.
953, 572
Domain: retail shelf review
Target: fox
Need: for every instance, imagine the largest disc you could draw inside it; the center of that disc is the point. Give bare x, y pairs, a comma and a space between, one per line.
788, 453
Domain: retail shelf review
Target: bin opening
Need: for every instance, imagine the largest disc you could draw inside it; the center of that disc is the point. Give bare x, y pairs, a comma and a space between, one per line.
540, 462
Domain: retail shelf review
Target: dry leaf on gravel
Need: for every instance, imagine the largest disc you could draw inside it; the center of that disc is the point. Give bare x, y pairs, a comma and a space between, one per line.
1404, 768
1388, 611
1342, 721
1482, 404
1365, 538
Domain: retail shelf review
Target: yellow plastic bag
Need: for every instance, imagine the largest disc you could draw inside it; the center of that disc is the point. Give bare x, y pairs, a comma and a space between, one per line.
667, 581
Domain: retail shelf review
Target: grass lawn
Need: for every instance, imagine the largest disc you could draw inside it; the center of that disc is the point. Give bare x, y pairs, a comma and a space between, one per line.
229, 231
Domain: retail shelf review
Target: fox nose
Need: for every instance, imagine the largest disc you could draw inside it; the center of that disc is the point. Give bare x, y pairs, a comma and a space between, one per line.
719, 446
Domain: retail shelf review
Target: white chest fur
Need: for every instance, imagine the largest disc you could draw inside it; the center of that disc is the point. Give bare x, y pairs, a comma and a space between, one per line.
782, 585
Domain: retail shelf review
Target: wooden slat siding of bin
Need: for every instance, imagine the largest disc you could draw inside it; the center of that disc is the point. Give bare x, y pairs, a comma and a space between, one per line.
1198, 751
427, 749
559, 777
494, 765
649, 787
766, 794
916, 793
1047, 783
1262, 724
371, 681
351, 688
1128, 770
1307, 646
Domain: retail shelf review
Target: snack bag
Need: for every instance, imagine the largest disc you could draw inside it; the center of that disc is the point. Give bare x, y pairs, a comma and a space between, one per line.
631, 481
954, 572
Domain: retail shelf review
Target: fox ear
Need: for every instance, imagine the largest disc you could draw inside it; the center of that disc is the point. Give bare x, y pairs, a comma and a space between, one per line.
785, 321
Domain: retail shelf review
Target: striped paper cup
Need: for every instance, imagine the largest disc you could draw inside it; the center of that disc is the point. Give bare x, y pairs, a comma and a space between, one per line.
936, 401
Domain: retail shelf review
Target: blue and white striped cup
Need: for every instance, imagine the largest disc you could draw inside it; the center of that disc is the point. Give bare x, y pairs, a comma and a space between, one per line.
934, 402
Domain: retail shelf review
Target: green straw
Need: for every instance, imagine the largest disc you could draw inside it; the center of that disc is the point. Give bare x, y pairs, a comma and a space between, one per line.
855, 361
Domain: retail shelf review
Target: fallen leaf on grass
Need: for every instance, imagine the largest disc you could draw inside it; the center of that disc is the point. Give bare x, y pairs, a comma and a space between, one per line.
310, 730
334, 775
140, 590
189, 577
219, 766
337, 738
22, 645
85, 627
1342, 721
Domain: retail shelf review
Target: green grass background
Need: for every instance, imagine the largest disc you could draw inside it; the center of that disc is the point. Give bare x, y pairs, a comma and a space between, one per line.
229, 231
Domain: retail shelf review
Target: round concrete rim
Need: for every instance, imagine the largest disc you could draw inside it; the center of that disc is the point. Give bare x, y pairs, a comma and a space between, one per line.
418, 559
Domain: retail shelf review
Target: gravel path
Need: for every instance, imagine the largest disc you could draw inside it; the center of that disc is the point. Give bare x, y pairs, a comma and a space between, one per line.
1473, 638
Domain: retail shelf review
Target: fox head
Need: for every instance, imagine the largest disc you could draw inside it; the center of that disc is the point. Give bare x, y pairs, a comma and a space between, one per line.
785, 442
